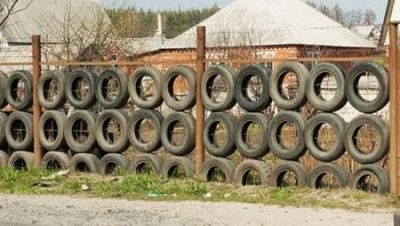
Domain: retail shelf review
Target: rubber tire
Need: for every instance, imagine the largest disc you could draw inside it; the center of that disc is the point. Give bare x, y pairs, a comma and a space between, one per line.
27, 120
26, 78
300, 148
186, 164
117, 159
339, 172
89, 118
155, 75
3, 121
302, 76
190, 76
122, 81
59, 100
243, 148
60, 118
27, 157
229, 122
61, 158
3, 82
383, 79
90, 77
226, 165
376, 170
94, 151
339, 99
152, 160
3, 159
243, 77
122, 118
154, 116
338, 124
230, 76
188, 122
383, 145
90, 160
264, 171
288, 166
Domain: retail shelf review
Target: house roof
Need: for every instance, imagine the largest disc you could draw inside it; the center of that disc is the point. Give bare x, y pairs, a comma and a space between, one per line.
270, 23
50, 18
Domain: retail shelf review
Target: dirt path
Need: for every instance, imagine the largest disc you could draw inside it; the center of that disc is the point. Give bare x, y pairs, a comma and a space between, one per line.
63, 210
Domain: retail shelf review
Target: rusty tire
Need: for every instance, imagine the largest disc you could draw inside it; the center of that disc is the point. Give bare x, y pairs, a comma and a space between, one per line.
24, 121
134, 136
55, 160
167, 81
121, 118
226, 166
12, 84
48, 79
21, 160
110, 162
122, 88
134, 88
56, 121
89, 77
84, 162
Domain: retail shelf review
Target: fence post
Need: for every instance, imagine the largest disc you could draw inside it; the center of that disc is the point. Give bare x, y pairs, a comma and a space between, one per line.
394, 103
36, 71
200, 66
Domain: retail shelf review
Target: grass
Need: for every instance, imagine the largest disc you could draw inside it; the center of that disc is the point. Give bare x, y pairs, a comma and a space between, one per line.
151, 187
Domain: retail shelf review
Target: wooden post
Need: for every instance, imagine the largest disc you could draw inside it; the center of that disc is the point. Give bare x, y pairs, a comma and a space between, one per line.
36, 71
394, 104
200, 66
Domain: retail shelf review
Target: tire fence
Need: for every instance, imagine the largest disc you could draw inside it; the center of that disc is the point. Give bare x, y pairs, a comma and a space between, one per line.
323, 127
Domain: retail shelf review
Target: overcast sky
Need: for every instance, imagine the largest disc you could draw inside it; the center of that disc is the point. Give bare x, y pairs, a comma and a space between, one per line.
377, 5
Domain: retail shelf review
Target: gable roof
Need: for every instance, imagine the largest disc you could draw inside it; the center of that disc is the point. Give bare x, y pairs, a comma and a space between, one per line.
49, 18
270, 23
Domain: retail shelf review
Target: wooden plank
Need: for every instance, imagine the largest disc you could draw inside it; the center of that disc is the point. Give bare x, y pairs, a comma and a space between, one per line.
394, 102
322, 59
36, 71
119, 63
200, 66
15, 63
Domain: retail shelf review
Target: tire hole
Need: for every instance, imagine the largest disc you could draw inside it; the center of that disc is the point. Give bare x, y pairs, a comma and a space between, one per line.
325, 86
145, 87
366, 86
252, 87
251, 178
287, 178
327, 180
216, 174
178, 87
217, 88
80, 88
110, 88
287, 135
176, 171
325, 137
288, 85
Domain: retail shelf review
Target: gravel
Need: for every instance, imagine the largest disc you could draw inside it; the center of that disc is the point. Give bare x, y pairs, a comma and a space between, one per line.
63, 210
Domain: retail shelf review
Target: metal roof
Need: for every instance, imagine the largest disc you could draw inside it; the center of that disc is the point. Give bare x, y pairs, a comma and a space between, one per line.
396, 12
270, 23
50, 18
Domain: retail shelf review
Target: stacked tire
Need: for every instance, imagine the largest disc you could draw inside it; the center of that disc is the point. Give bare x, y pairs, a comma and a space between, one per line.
93, 132
17, 136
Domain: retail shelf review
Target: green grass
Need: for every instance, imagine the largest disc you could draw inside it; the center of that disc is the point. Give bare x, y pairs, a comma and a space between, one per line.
151, 187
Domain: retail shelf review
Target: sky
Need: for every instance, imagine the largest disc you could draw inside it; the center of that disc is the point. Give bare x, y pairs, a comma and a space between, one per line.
378, 6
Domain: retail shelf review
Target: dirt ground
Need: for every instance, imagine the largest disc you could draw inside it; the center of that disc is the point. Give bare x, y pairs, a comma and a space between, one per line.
63, 210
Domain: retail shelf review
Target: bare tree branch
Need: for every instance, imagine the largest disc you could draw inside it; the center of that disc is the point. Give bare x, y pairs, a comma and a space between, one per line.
8, 8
